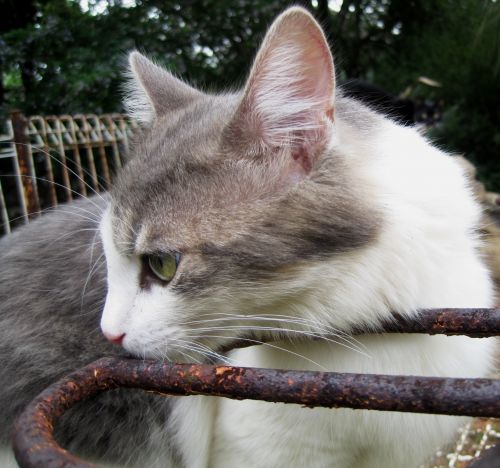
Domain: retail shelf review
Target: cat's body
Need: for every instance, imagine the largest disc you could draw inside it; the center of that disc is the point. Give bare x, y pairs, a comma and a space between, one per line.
52, 289
290, 212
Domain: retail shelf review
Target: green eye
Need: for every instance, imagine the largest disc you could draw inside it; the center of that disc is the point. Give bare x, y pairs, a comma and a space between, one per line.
164, 266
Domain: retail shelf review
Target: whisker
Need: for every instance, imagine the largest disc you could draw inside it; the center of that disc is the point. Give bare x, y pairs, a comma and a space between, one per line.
91, 214
191, 346
90, 274
177, 348
51, 209
206, 351
263, 343
57, 184
65, 165
97, 308
288, 330
90, 267
289, 319
69, 234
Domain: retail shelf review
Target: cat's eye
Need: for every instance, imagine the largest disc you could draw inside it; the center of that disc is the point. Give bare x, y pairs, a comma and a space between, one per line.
163, 266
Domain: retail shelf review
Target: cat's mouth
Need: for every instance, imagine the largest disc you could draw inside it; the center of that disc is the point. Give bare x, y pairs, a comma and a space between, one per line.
212, 355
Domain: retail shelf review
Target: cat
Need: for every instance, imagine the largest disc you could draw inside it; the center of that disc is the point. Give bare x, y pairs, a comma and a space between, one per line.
284, 211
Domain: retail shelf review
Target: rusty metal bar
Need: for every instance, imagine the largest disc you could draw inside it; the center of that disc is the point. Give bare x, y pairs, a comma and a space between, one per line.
34, 444
55, 128
4, 216
71, 143
99, 143
25, 161
122, 125
92, 139
110, 127
39, 133
475, 323
84, 133
9, 152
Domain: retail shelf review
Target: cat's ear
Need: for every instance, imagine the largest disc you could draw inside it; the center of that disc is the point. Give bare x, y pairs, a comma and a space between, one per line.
288, 98
152, 91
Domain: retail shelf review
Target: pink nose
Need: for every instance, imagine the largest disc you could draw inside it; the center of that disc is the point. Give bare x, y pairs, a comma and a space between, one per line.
116, 339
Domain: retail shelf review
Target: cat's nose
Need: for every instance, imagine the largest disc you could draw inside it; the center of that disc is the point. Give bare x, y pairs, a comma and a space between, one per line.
116, 339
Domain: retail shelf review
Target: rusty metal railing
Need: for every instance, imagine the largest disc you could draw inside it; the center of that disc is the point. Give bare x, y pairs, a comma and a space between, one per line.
53, 159
34, 444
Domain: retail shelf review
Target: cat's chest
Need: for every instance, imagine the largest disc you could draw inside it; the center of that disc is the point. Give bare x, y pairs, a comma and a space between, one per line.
251, 434
261, 434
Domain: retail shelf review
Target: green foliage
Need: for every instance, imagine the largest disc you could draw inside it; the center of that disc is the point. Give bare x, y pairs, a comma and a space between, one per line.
69, 60
56, 57
468, 66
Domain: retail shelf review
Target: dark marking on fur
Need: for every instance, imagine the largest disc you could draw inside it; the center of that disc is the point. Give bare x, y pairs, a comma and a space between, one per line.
241, 214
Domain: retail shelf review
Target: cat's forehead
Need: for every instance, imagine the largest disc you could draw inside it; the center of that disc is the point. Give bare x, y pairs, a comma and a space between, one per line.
191, 204
183, 186
184, 190
189, 133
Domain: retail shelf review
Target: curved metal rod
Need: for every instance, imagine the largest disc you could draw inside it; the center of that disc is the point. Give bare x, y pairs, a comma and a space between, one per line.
34, 444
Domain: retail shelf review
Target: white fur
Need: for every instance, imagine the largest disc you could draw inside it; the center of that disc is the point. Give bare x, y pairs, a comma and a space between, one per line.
426, 256
425, 199
137, 103
145, 317
7, 459
137, 100
193, 419
122, 278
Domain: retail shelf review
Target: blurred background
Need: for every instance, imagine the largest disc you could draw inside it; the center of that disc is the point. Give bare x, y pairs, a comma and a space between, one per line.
435, 63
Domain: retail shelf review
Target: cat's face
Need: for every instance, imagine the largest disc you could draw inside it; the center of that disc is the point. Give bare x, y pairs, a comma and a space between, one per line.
230, 204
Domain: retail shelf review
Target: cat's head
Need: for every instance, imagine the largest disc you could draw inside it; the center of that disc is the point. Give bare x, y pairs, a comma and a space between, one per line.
231, 205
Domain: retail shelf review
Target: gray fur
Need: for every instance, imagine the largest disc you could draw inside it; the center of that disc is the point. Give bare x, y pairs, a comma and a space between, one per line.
358, 115
159, 92
185, 189
49, 326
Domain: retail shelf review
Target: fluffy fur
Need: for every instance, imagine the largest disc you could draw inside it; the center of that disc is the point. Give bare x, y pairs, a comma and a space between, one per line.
299, 214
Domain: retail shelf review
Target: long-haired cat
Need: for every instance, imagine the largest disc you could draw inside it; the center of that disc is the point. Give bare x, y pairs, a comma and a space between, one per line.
283, 211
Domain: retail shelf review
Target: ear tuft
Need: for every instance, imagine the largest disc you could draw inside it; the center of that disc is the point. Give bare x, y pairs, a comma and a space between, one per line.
152, 91
136, 101
288, 98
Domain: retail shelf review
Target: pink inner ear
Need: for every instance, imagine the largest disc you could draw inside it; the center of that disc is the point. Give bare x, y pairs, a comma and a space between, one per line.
302, 156
289, 96
288, 100
305, 153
